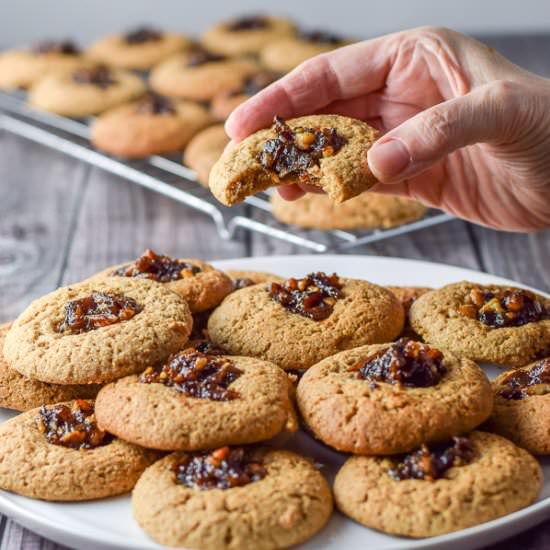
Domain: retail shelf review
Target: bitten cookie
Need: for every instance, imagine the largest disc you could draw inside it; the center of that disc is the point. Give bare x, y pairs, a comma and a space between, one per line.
440, 489
366, 211
224, 103
328, 151
246, 35
286, 53
204, 150
391, 398
198, 401
85, 91
97, 331
232, 498
493, 324
58, 453
151, 125
21, 68
201, 285
199, 74
297, 323
522, 407
21, 394
139, 49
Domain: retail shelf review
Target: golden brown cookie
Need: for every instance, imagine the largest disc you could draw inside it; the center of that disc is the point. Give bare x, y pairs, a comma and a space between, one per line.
297, 323
21, 393
418, 496
522, 407
247, 34
286, 53
204, 149
485, 323
139, 49
198, 401
201, 285
391, 398
151, 125
21, 68
365, 211
97, 331
85, 91
199, 75
328, 151
253, 499
224, 104
58, 453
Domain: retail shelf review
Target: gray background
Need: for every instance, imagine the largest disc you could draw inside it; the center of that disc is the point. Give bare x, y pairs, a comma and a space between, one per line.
26, 20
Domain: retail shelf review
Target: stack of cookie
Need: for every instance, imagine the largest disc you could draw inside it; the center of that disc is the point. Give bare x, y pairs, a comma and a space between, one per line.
164, 355
157, 92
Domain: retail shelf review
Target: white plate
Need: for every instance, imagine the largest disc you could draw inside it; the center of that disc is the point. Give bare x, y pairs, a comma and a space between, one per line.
109, 524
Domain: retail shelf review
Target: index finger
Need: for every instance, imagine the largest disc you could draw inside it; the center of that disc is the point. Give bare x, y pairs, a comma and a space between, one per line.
342, 74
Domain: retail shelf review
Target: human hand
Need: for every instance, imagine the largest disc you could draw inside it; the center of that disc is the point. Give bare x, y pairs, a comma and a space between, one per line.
465, 130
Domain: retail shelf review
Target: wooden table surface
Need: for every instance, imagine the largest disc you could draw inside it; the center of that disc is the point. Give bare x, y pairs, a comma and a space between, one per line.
61, 220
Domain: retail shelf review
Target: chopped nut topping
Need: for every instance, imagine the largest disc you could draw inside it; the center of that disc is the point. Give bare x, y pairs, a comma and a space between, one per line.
75, 428
98, 76
143, 34
155, 267
99, 309
66, 47
511, 307
404, 363
523, 382
252, 23
320, 37
432, 463
223, 468
199, 56
243, 282
154, 104
295, 150
313, 296
196, 374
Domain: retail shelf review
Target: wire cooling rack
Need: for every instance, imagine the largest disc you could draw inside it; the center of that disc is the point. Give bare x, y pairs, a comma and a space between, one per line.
167, 176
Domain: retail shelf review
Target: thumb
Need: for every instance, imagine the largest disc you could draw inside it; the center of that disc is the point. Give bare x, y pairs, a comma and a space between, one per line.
483, 115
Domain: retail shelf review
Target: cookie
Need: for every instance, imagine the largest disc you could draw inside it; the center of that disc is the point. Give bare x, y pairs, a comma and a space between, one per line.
21, 394
85, 91
243, 279
407, 295
297, 323
327, 151
21, 68
151, 125
201, 285
199, 74
391, 398
440, 489
522, 407
97, 331
204, 149
58, 453
365, 211
493, 324
233, 498
224, 104
286, 53
138, 49
237, 400
246, 35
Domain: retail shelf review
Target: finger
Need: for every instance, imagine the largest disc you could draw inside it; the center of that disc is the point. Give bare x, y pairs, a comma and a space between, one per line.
344, 73
290, 192
484, 115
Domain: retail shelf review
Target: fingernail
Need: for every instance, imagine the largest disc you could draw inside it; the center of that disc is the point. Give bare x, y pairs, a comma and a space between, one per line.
387, 160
